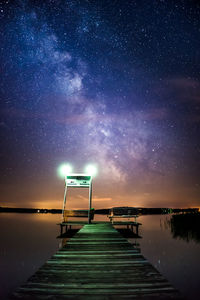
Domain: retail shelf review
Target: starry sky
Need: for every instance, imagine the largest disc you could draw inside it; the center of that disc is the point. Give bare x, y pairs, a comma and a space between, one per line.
116, 83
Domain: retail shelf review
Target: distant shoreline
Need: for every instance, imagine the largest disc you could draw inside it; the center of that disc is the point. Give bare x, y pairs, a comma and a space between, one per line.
123, 210
30, 210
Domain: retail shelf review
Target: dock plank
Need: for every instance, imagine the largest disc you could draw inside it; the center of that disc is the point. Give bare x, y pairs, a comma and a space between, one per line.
97, 263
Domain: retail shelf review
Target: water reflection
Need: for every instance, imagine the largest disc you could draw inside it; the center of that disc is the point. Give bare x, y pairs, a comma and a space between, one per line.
128, 233
64, 238
186, 226
132, 237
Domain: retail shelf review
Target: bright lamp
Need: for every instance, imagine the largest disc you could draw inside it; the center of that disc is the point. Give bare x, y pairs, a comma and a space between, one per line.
91, 170
64, 170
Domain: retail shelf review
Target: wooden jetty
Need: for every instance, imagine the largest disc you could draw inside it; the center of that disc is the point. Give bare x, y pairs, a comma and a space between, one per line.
97, 263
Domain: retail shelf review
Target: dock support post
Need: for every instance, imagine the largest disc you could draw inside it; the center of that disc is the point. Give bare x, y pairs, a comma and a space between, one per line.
61, 229
137, 229
64, 202
90, 203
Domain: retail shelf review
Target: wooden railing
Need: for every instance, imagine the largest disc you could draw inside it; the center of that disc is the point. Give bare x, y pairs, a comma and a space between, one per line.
78, 214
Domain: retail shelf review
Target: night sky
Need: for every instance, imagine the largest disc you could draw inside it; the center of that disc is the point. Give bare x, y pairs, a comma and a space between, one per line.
116, 83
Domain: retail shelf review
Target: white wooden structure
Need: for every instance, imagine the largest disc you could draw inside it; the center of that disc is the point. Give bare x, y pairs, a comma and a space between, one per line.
78, 181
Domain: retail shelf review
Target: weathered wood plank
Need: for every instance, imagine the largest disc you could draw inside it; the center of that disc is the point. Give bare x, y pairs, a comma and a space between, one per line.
66, 291
49, 279
99, 252
90, 256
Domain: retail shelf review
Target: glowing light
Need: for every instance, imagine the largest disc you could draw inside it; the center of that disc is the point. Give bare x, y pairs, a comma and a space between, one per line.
64, 170
91, 170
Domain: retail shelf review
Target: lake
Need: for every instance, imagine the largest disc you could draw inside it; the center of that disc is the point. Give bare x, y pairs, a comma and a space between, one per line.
28, 240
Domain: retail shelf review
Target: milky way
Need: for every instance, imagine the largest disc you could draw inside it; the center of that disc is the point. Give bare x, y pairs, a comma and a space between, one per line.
116, 83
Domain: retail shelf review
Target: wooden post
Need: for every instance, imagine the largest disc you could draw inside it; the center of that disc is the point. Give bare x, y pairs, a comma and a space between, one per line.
90, 202
61, 229
64, 202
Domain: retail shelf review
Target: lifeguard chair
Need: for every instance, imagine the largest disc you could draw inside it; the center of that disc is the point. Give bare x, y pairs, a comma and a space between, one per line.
78, 181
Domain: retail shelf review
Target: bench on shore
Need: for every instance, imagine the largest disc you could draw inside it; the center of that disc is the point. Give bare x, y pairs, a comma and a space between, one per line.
131, 218
118, 217
123, 213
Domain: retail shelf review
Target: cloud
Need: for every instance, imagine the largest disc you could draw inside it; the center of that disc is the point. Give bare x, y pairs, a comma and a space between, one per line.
102, 199
182, 93
181, 88
155, 114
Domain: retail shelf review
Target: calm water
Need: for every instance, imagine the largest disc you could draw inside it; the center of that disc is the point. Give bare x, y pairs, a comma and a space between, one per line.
28, 240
